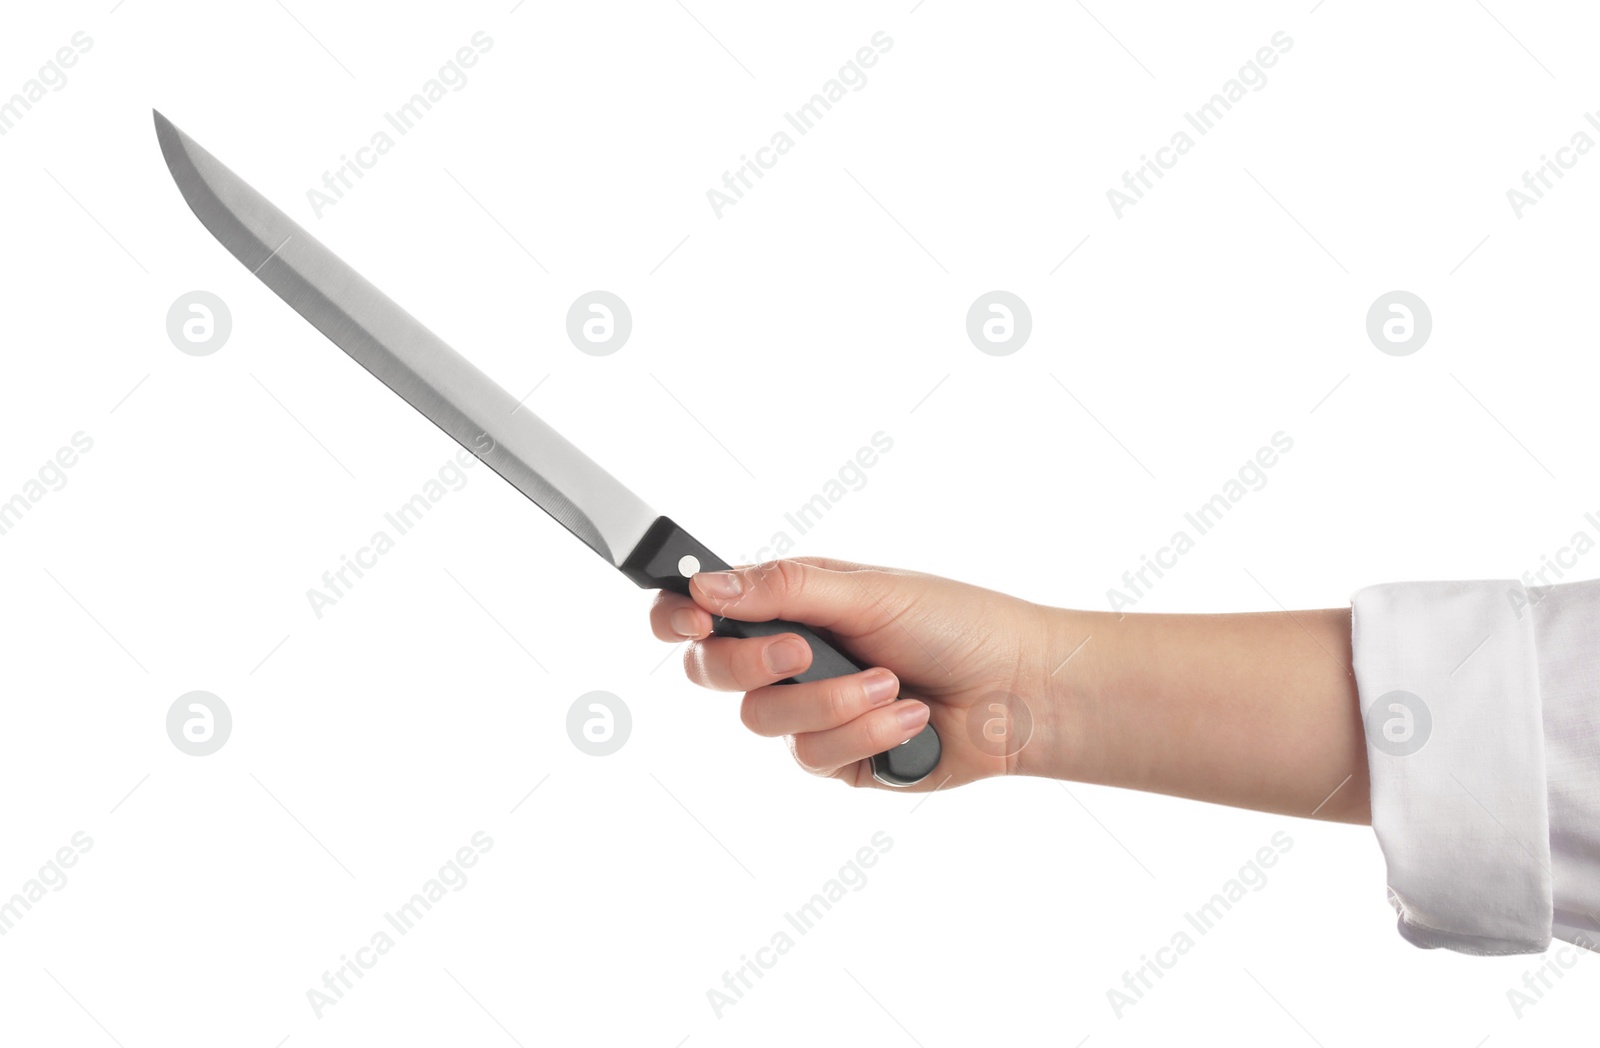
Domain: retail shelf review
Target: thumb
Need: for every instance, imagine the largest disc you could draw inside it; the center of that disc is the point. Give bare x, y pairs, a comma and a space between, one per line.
802, 591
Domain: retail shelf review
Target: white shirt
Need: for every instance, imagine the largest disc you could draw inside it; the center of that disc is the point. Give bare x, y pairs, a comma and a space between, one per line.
1481, 703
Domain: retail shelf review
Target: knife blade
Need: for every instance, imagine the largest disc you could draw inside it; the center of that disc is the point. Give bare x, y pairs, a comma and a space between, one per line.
650, 549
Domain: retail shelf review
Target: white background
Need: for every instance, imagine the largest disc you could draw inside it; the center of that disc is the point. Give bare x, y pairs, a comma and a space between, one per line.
369, 744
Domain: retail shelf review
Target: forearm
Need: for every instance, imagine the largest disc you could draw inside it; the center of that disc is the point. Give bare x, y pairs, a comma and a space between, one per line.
1255, 711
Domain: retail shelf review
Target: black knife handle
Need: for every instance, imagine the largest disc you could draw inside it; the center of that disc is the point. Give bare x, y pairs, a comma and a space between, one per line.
668, 555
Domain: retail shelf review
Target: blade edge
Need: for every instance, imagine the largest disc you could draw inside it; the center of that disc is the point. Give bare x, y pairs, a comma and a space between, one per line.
404, 355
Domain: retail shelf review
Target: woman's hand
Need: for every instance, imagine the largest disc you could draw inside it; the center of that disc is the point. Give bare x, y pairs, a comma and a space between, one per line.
1256, 710
975, 661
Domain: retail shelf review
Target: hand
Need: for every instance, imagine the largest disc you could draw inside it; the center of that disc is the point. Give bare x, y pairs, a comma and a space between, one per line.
1254, 710
972, 659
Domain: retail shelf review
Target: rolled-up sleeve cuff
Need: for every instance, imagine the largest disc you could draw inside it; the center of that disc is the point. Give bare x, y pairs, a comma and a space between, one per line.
1448, 675
1566, 625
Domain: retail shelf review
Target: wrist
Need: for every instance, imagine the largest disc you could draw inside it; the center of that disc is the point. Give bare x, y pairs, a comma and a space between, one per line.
1068, 740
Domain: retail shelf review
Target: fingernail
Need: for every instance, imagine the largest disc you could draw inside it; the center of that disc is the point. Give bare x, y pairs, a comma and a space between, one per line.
724, 584
685, 622
880, 687
912, 715
787, 656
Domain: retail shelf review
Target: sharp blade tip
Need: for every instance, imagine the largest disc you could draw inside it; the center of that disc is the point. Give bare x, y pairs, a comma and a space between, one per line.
166, 130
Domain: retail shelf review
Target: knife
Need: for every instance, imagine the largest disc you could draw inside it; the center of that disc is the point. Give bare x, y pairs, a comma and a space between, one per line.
652, 550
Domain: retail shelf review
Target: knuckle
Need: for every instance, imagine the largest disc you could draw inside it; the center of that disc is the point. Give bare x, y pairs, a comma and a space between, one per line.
694, 662
788, 578
804, 749
750, 666
839, 700
750, 713
882, 733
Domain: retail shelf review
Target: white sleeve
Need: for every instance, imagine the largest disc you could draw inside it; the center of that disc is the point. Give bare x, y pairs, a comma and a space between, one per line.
1567, 624
1481, 704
